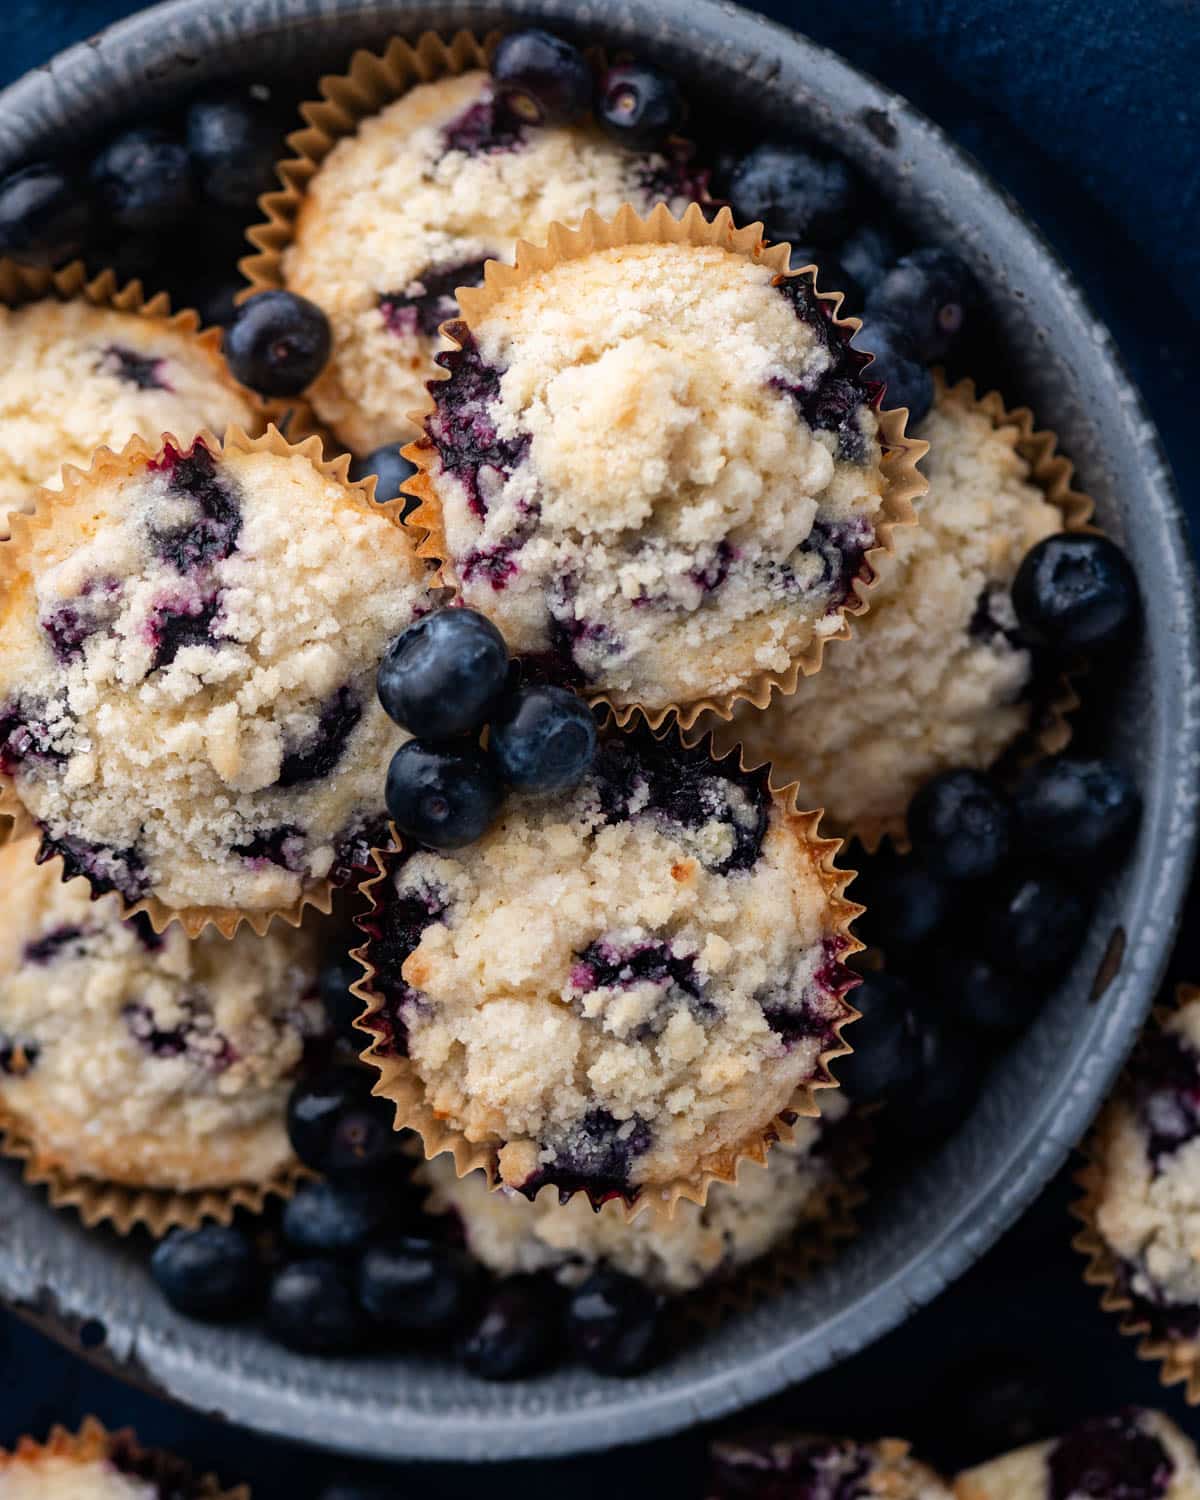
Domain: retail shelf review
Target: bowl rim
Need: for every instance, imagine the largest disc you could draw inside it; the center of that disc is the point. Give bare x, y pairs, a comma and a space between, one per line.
162, 1361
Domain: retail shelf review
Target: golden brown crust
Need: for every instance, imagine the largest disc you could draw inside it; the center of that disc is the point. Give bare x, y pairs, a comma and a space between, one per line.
93, 1443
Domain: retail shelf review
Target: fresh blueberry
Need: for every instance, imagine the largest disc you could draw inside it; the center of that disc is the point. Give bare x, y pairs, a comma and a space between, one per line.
542, 79
638, 105
906, 904
974, 993
946, 1086
441, 796
799, 193
544, 739
143, 181
390, 469
908, 383
337, 1127
1033, 924
338, 973
210, 1273
45, 215
1074, 809
418, 1285
928, 294
886, 1055
233, 140
311, 1308
442, 677
518, 1333
1075, 592
278, 343
961, 825
613, 1323
333, 1218
867, 253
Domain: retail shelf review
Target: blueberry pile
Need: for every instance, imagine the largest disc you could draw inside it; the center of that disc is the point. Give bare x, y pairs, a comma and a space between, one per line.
445, 678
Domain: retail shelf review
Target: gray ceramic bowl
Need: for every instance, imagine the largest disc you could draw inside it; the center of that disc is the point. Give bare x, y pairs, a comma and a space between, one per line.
1036, 1104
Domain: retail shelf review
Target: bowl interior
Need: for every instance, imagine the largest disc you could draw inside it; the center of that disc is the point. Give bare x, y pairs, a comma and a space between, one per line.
1049, 352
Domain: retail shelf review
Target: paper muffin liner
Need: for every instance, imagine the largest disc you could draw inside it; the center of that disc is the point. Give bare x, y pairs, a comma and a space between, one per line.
20, 285
1049, 730
903, 481
399, 1083
1178, 1359
93, 1442
15, 820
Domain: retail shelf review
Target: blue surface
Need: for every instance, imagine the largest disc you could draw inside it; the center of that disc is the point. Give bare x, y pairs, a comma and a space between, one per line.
1086, 111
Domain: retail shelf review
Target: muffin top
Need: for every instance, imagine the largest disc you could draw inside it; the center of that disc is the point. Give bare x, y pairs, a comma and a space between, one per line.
933, 674
511, 1234
811, 1468
1133, 1453
187, 675
74, 378
621, 986
657, 467
56, 1476
409, 208
149, 1060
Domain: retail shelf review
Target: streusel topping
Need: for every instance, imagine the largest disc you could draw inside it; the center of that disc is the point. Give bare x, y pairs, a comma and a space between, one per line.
58, 1477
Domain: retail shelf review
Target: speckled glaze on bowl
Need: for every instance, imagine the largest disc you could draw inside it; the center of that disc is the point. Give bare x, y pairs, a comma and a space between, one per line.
1038, 1100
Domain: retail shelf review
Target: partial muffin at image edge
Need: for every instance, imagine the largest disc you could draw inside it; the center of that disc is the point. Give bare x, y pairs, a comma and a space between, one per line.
103, 1464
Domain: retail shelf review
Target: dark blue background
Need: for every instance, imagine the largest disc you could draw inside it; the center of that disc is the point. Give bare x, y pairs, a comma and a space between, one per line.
1087, 111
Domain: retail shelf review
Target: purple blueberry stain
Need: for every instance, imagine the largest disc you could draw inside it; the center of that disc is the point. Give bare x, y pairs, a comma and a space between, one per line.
179, 621
710, 575
841, 547
73, 622
26, 738
213, 531
803, 1016
352, 853
196, 1038
394, 929
1111, 1458
799, 1469
610, 965
1163, 1319
105, 868
462, 424
596, 1155
282, 847
1166, 1094
671, 173
484, 127
51, 944
318, 755
427, 301
141, 370
833, 401
18, 1055
496, 564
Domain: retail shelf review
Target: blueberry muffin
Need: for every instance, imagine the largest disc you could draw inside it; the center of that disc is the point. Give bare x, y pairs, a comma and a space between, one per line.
411, 206
151, 1061
1143, 1186
656, 465
935, 675
819, 1468
618, 988
739, 1223
1133, 1455
188, 648
97, 1465
77, 377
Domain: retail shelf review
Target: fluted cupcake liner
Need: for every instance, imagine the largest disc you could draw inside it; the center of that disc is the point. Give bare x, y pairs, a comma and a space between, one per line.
903, 481
1178, 1359
93, 1443
15, 819
399, 1083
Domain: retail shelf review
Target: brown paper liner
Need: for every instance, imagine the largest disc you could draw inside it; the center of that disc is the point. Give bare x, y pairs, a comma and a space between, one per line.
1179, 1359
1054, 474
93, 1443
399, 1084
903, 482
20, 285
108, 465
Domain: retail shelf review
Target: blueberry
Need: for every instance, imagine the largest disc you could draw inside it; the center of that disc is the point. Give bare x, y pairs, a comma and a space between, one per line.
415, 1284
544, 739
1075, 592
946, 1086
961, 825
390, 469
799, 193
518, 1333
45, 215
442, 677
311, 1308
906, 904
446, 798
143, 180
278, 343
210, 1273
1110, 1456
613, 1323
1073, 809
928, 294
867, 253
1033, 924
542, 79
908, 383
336, 1126
886, 1054
338, 973
333, 1218
638, 105
974, 993
233, 140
